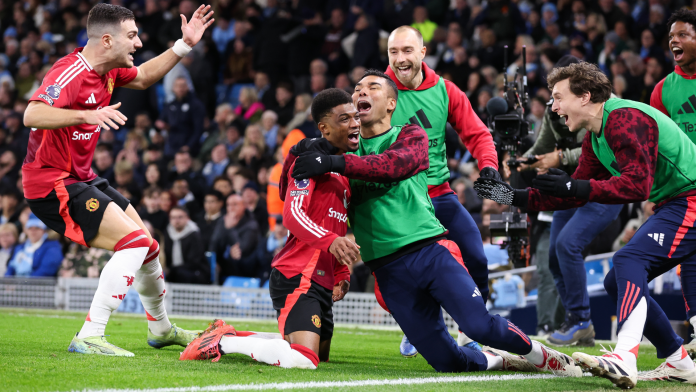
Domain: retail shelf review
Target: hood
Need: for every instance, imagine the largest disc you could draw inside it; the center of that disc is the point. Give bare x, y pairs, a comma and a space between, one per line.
430, 79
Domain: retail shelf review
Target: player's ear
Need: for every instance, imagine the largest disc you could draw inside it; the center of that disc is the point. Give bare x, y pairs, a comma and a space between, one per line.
391, 104
585, 98
324, 129
107, 41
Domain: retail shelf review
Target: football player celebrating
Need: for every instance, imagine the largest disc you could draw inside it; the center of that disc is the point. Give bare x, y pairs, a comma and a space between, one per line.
418, 270
674, 96
631, 153
66, 115
310, 272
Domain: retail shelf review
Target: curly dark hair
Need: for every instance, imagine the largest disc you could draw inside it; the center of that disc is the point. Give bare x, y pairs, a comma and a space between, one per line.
327, 100
106, 15
683, 15
583, 77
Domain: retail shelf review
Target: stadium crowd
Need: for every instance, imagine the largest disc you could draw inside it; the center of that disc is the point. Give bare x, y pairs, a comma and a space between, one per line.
201, 153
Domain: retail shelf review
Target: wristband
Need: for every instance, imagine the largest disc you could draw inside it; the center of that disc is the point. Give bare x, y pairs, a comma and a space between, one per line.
181, 49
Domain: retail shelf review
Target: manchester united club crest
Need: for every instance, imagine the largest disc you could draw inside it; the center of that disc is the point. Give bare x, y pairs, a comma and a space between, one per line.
316, 321
110, 86
92, 205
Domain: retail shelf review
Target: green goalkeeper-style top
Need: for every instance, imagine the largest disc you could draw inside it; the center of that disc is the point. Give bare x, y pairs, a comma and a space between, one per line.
675, 171
680, 102
387, 217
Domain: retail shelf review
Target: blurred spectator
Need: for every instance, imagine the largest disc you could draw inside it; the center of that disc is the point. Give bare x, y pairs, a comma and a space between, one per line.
460, 14
331, 49
83, 261
9, 201
223, 185
8, 245
212, 213
362, 46
235, 239
303, 104
285, 103
423, 24
183, 168
239, 63
217, 164
38, 256
503, 19
151, 210
633, 225
508, 292
263, 89
256, 204
154, 177
183, 197
276, 238
269, 126
17, 135
184, 250
216, 132
250, 109
182, 118
125, 184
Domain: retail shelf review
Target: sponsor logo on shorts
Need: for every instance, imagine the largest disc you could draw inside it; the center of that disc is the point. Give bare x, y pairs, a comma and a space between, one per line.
299, 193
302, 184
92, 205
110, 86
316, 321
46, 98
53, 91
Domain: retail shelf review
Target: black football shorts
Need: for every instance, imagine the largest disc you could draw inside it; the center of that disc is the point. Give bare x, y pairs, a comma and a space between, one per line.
76, 210
301, 305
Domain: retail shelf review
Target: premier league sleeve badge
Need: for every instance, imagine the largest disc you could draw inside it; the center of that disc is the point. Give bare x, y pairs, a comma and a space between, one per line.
53, 91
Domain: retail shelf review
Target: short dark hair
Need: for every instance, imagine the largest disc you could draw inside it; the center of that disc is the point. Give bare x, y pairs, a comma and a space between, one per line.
221, 178
216, 194
583, 77
375, 72
328, 99
150, 191
180, 208
106, 15
683, 15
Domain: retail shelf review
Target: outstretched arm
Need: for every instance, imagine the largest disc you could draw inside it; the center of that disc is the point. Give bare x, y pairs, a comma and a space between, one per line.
152, 71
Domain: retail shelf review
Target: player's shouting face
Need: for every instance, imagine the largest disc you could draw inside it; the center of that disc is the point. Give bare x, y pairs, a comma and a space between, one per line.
569, 106
682, 43
122, 43
373, 99
406, 52
341, 127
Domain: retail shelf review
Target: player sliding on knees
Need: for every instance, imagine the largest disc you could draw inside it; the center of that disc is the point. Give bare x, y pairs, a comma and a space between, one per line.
633, 152
66, 115
418, 270
310, 272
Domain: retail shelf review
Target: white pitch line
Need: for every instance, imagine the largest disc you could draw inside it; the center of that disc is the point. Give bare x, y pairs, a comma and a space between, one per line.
332, 384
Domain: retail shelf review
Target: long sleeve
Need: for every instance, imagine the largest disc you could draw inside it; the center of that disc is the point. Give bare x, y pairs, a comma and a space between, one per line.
406, 157
295, 218
341, 272
656, 98
632, 135
50, 259
475, 135
546, 140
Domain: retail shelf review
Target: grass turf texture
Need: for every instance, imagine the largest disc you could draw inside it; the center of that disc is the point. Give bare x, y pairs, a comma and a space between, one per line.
34, 357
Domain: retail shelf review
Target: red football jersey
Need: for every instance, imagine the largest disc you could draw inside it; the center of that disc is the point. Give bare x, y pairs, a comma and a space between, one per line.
315, 213
66, 153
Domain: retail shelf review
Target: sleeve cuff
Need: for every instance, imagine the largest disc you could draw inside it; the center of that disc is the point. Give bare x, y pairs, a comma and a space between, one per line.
520, 198
338, 163
584, 189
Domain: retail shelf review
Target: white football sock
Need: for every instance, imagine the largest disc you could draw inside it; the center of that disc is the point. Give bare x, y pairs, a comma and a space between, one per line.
260, 335
275, 352
149, 282
693, 322
536, 356
680, 360
631, 333
494, 362
114, 282
463, 340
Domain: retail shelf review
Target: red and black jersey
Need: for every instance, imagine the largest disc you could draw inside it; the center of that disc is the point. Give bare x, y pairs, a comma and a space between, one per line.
66, 153
315, 213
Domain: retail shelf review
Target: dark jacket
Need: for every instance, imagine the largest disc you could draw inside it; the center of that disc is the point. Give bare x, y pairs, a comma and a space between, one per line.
195, 268
185, 119
246, 234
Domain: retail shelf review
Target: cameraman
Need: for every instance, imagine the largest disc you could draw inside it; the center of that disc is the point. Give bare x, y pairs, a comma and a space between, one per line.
570, 232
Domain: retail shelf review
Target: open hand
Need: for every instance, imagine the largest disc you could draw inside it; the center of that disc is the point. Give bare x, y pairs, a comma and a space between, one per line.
345, 250
193, 29
107, 117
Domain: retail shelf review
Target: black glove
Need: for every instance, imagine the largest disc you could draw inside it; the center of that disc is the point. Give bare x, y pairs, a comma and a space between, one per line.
500, 192
558, 183
489, 172
312, 163
318, 144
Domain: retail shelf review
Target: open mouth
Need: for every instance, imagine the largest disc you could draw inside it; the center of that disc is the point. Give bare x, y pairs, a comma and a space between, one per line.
364, 107
404, 70
130, 56
565, 118
678, 53
353, 137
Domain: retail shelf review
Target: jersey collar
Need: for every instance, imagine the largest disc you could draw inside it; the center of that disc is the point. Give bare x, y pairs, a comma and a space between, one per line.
681, 73
78, 53
429, 80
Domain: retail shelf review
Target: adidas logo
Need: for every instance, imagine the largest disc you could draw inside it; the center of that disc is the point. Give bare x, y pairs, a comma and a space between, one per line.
91, 100
319, 159
686, 108
568, 185
476, 293
659, 237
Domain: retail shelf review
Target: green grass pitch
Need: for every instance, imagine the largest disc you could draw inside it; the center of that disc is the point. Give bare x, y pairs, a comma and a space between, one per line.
34, 357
